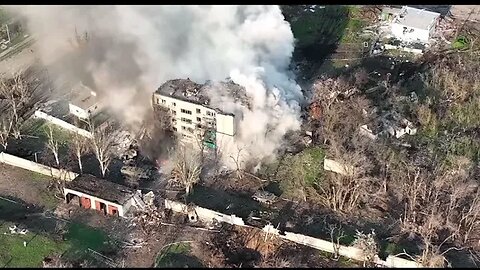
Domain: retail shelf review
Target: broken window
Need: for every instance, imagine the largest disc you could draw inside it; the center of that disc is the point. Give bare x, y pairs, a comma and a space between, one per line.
199, 126
186, 111
189, 121
174, 129
190, 130
198, 111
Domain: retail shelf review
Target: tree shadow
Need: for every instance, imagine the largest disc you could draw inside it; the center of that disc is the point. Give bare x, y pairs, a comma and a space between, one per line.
218, 200
317, 30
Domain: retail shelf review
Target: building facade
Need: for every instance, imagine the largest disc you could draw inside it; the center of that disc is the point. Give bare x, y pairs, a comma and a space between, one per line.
98, 194
414, 25
86, 103
195, 122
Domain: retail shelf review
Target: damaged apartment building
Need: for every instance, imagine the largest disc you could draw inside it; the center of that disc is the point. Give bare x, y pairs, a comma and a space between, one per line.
194, 118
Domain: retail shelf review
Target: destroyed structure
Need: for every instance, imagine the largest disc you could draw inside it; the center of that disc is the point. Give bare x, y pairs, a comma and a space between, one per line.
193, 117
410, 24
85, 104
99, 194
391, 124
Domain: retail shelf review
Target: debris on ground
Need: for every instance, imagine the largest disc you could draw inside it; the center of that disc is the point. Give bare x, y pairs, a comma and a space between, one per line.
15, 230
264, 197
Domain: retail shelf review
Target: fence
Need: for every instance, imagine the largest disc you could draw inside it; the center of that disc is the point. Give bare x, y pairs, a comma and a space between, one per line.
208, 215
63, 124
36, 167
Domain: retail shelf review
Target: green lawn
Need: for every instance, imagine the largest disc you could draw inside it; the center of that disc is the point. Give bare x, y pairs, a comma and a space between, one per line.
14, 254
78, 239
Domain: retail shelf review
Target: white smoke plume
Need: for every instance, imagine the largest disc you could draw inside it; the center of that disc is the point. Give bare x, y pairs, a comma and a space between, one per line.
134, 49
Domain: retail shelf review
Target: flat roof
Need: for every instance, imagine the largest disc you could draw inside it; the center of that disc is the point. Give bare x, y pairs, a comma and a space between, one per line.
84, 98
101, 188
187, 90
416, 18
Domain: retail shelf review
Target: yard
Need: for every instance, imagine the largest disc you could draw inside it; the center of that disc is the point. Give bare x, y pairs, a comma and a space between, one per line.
47, 236
13, 253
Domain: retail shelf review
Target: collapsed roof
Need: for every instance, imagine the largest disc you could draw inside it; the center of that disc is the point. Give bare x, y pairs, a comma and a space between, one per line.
101, 188
187, 90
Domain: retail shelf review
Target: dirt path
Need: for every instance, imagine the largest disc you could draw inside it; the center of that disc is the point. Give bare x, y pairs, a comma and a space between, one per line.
25, 185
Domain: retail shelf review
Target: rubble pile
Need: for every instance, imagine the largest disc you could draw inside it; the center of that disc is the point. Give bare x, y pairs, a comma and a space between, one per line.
147, 216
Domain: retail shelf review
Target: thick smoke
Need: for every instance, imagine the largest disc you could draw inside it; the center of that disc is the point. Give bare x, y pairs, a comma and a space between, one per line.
131, 50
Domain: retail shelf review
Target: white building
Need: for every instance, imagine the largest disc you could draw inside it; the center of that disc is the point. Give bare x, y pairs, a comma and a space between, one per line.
85, 104
193, 119
414, 25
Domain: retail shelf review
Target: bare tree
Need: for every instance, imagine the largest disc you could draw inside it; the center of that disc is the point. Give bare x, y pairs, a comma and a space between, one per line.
6, 126
368, 245
17, 94
52, 144
336, 234
187, 168
344, 192
80, 148
102, 144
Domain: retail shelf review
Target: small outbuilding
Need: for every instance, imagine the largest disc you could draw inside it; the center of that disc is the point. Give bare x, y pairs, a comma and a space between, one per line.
414, 25
91, 192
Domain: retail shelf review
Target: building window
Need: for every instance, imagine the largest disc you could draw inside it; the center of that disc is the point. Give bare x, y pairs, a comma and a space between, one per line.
208, 113
199, 126
184, 128
174, 104
174, 129
186, 111
163, 101
189, 121
174, 112
190, 130
198, 111
199, 119
158, 101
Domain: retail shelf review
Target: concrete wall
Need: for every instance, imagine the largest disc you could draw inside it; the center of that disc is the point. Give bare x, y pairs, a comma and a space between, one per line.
208, 215
36, 167
204, 214
94, 200
225, 124
337, 167
63, 124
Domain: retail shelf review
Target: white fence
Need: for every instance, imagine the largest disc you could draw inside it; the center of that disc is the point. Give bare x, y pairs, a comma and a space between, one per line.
63, 124
208, 215
36, 167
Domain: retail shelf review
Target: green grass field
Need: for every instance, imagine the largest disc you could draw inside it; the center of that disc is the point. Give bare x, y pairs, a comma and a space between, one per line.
74, 248
14, 254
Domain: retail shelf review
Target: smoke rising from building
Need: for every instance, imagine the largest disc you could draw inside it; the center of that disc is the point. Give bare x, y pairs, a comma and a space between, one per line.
130, 50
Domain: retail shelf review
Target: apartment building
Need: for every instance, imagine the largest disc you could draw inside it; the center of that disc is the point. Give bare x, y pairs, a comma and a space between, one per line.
193, 119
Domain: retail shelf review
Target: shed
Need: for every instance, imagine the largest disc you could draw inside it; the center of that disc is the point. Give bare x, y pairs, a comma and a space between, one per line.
102, 195
413, 24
